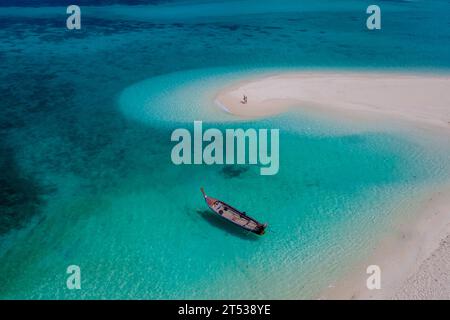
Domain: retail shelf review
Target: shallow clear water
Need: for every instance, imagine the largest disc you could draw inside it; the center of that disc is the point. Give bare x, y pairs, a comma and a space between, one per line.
85, 130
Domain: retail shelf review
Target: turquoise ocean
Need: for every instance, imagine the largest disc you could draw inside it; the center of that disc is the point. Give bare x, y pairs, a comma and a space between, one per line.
85, 171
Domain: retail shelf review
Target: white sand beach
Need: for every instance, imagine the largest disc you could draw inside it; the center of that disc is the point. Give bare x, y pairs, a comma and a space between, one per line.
424, 98
415, 259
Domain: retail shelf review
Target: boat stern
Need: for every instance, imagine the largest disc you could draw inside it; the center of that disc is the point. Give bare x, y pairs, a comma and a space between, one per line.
261, 229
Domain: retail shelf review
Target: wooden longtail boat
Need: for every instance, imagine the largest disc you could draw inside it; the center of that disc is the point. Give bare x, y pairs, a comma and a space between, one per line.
233, 215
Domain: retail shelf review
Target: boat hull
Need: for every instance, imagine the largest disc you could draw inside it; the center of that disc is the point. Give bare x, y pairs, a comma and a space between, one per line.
233, 215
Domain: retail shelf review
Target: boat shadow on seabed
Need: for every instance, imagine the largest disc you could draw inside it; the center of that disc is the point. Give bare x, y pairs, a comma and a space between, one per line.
217, 222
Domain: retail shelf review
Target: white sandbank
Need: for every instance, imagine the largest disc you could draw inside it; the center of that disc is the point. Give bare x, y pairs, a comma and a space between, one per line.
415, 258
424, 98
